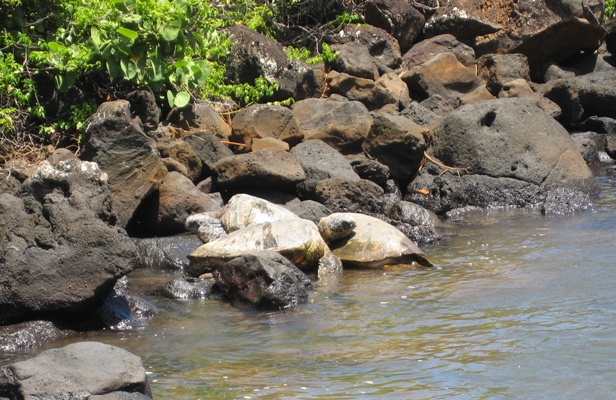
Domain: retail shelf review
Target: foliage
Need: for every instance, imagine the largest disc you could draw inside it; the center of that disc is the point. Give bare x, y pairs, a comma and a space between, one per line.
303, 54
610, 6
175, 47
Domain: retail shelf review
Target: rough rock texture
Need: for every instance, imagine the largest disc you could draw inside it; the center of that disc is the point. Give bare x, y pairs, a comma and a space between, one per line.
183, 153
364, 90
397, 88
260, 121
341, 195
425, 50
144, 104
321, 161
397, 17
209, 149
397, 142
253, 55
61, 246
498, 69
542, 30
515, 154
264, 279
354, 59
585, 96
200, 116
269, 168
166, 253
341, 124
383, 47
610, 37
76, 371
420, 114
114, 139
187, 289
371, 170
443, 75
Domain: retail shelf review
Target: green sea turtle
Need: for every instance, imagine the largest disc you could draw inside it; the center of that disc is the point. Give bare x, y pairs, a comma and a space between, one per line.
241, 211
298, 240
374, 243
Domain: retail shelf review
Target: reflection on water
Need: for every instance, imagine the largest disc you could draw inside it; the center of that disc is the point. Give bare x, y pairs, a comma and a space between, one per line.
523, 307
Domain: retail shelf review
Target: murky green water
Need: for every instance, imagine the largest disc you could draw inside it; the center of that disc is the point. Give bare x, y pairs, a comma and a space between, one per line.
523, 307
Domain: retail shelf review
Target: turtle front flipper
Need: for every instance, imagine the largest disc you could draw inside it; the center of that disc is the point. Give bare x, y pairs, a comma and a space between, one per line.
330, 268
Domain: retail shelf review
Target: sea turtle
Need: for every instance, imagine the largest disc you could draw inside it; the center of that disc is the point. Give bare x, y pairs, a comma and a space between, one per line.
374, 243
241, 211
297, 239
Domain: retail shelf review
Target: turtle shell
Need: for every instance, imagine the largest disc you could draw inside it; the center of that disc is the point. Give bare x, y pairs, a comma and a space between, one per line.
296, 239
244, 210
375, 243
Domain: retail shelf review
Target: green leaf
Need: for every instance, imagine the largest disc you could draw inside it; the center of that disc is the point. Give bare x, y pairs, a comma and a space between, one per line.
129, 68
171, 31
96, 37
114, 69
181, 99
170, 98
129, 33
57, 47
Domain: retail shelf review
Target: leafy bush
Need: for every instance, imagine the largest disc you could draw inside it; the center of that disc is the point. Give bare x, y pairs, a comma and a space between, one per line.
610, 5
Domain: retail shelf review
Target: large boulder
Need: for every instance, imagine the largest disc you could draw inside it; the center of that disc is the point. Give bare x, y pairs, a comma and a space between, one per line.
253, 55
442, 75
200, 116
341, 124
268, 168
364, 90
260, 121
397, 142
584, 96
114, 139
76, 371
321, 161
512, 152
397, 17
354, 59
423, 51
264, 279
383, 47
61, 245
342, 195
498, 69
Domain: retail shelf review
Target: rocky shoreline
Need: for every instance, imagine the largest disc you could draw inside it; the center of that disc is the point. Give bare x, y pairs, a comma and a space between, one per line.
427, 112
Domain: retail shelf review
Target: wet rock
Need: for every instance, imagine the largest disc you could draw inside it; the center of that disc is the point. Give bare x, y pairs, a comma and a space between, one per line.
122, 310
342, 125
587, 148
425, 50
261, 121
30, 335
188, 289
166, 253
398, 18
61, 246
76, 371
264, 279
200, 116
268, 168
114, 139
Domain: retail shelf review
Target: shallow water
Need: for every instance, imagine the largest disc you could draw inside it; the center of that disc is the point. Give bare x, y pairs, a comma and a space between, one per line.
523, 307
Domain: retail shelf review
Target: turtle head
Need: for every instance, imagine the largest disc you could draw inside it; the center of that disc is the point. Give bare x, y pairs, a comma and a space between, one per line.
336, 226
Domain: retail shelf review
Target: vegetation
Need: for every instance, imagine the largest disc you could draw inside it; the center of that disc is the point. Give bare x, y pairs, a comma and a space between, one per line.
610, 6
100, 49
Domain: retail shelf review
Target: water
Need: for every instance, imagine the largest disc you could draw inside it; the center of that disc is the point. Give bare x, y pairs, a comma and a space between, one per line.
523, 307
